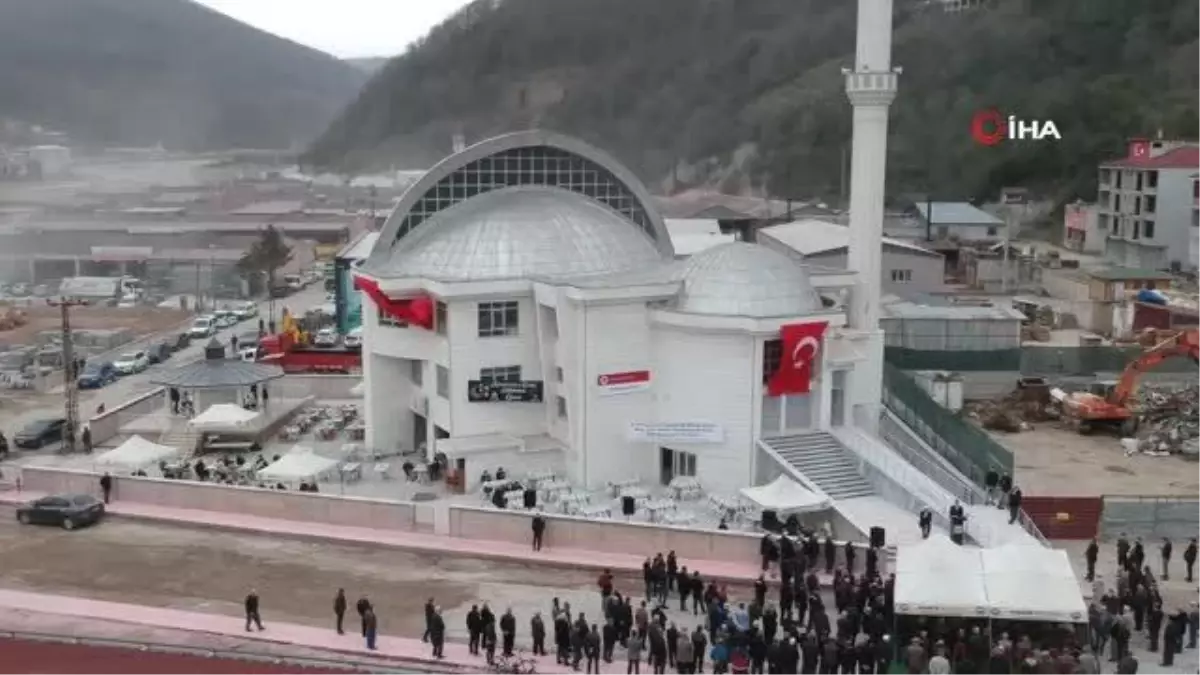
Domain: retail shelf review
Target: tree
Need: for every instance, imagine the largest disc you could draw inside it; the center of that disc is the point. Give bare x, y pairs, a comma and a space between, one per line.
266, 256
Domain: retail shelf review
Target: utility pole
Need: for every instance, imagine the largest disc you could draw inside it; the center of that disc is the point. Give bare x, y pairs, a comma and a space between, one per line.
70, 371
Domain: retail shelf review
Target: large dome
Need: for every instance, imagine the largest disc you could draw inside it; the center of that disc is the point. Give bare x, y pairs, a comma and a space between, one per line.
521, 232
741, 279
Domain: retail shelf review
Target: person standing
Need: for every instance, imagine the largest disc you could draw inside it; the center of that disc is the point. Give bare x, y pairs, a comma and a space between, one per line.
537, 631
1014, 504
591, 648
508, 631
608, 639
991, 481
106, 486
1137, 554
1189, 559
489, 640
1005, 486
633, 652
474, 630
85, 438
1090, 555
1165, 551
370, 627
429, 607
925, 522
251, 606
539, 531
361, 607
685, 656
830, 554
1154, 625
672, 569
699, 647
1171, 639
848, 553
437, 632
339, 610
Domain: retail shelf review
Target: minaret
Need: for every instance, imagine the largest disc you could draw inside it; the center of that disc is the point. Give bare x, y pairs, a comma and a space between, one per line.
871, 86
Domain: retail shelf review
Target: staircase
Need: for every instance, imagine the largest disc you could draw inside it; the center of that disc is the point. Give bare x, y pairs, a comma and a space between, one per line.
180, 436
820, 458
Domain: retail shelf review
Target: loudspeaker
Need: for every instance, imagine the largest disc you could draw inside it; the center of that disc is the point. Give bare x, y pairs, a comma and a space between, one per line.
530, 498
878, 537
628, 507
770, 521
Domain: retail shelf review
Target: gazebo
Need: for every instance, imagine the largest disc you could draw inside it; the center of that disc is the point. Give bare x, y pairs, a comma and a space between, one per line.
217, 373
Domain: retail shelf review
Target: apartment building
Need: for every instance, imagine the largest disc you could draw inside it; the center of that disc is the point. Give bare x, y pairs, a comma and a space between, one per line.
1146, 204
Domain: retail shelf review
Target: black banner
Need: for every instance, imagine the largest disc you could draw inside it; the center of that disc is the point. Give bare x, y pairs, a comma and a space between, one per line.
529, 391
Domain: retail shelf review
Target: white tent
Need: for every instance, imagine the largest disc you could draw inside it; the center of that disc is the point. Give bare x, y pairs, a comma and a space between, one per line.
298, 464
940, 578
359, 389
784, 496
137, 453
223, 416
1032, 583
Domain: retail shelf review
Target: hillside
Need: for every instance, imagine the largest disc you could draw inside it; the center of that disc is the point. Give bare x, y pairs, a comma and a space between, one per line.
747, 94
137, 72
368, 64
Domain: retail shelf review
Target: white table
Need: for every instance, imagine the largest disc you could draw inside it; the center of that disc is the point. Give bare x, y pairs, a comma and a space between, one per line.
596, 511
551, 490
615, 487
636, 492
678, 518
351, 472
541, 475
382, 469
421, 472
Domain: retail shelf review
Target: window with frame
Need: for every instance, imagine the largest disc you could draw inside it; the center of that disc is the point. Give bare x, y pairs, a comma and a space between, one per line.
1148, 229
443, 381
772, 356
901, 276
439, 317
1150, 203
992, 231
562, 407
498, 374
416, 372
498, 319
386, 319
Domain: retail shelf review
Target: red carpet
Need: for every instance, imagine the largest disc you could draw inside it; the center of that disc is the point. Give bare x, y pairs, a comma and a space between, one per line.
20, 656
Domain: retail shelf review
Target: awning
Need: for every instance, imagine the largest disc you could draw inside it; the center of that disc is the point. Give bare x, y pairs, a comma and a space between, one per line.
784, 496
223, 416
299, 464
137, 453
940, 578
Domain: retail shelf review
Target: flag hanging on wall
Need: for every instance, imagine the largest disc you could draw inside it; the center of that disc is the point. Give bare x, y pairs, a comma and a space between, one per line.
801, 347
417, 311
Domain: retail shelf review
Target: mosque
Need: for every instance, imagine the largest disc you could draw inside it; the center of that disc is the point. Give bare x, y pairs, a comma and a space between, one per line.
527, 300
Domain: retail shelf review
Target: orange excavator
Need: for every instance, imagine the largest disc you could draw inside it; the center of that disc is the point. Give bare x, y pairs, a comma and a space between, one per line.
1110, 410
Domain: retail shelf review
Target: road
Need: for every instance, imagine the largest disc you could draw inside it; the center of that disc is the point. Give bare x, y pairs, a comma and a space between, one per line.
19, 411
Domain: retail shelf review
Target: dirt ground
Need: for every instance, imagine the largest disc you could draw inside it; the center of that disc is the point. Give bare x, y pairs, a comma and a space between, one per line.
41, 317
1055, 461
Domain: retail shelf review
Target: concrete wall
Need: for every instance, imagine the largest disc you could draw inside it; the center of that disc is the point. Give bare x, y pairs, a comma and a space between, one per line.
639, 539
108, 424
243, 501
927, 272
320, 387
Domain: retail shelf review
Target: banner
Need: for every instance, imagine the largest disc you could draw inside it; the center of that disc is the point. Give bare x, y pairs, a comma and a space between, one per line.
801, 349
675, 432
611, 384
528, 391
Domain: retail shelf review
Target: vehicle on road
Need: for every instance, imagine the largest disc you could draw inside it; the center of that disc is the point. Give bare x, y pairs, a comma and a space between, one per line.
326, 337
159, 351
181, 341
353, 339
246, 310
97, 375
225, 318
132, 362
202, 327
40, 433
65, 511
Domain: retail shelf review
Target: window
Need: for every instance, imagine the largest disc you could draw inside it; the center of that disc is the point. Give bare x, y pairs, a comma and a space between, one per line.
558, 374
1139, 182
1137, 228
1137, 205
443, 382
416, 372
498, 318
1148, 229
1116, 203
901, 276
991, 231
511, 374
1119, 175
439, 317
772, 354
1151, 179
386, 319
562, 407
1149, 203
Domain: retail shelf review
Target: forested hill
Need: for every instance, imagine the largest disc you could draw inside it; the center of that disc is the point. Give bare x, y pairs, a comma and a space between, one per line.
137, 72
750, 93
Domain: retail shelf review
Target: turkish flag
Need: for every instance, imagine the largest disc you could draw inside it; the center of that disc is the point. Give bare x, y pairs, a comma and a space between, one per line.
417, 311
801, 348
1139, 149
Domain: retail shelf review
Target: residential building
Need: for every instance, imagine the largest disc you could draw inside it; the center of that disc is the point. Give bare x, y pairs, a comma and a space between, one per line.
1146, 202
1081, 229
1101, 299
906, 268
951, 224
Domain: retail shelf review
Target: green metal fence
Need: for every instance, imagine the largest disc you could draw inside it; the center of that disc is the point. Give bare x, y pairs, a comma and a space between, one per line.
1045, 361
966, 446
959, 360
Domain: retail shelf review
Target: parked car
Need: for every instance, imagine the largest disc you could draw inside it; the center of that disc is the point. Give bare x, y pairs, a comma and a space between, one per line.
97, 375
181, 341
226, 319
202, 327
326, 337
159, 351
40, 433
353, 339
132, 362
246, 310
65, 511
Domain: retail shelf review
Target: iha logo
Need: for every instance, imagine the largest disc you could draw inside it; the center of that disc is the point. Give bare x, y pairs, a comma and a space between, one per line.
990, 127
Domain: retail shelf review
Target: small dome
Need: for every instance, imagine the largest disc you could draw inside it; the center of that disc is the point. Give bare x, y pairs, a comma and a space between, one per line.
741, 279
521, 232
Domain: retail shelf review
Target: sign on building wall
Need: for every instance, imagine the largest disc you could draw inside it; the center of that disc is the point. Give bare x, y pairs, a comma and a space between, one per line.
611, 384
675, 432
529, 391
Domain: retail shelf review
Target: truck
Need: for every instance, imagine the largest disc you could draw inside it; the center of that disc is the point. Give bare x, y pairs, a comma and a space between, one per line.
292, 350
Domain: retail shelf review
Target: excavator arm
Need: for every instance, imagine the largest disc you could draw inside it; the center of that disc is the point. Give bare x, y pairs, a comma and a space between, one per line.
1186, 343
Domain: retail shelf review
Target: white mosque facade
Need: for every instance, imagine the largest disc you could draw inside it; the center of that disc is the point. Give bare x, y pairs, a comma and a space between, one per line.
523, 299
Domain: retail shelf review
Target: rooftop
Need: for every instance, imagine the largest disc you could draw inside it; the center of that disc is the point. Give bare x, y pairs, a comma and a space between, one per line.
360, 248
1187, 157
898, 308
1128, 274
957, 213
812, 237
743, 279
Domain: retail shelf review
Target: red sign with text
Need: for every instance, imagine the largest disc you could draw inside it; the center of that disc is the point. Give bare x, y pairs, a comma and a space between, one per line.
624, 382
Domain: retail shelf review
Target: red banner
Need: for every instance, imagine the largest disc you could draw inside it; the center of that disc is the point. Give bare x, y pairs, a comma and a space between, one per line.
801, 349
417, 311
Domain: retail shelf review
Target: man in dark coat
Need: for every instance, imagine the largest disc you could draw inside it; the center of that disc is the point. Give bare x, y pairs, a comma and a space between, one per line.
1014, 504
1165, 551
1137, 554
251, 606
539, 530
370, 627
339, 609
437, 632
474, 630
1006, 484
830, 554
429, 611
1172, 636
1091, 554
106, 484
1189, 559
699, 648
760, 590
1154, 622
361, 607
537, 632
849, 553
872, 562
508, 631
990, 481
562, 638
489, 641
1122, 551
672, 569
608, 640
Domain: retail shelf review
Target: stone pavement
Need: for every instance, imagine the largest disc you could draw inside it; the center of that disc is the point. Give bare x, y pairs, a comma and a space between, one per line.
725, 572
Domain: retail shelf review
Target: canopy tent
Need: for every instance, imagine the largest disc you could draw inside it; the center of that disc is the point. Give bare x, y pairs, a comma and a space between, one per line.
784, 495
359, 389
223, 416
299, 463
1032, 583
940, 578
137, 453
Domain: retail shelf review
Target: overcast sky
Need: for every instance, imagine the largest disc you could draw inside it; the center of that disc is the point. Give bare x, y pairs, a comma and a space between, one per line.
344, 28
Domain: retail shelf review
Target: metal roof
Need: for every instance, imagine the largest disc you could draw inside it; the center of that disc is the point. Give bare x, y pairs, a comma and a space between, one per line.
957, 213
905, 309
1128, 273
743, 279
360, 248
214, 371
812, 237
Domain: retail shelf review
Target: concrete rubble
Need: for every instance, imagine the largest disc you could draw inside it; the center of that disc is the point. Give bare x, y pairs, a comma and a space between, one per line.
1169, 422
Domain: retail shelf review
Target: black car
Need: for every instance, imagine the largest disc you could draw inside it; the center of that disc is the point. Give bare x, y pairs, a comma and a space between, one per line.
40, 432
65, 511
181, 341
159, 352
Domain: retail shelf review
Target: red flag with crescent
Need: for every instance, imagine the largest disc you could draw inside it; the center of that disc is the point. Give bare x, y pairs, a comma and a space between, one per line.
801, 348
417, 311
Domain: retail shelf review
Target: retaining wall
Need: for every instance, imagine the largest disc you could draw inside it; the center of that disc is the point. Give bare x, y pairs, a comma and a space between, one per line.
107, 425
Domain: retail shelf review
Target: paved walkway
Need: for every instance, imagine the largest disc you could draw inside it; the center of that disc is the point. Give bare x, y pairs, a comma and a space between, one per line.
402, 649
728, 572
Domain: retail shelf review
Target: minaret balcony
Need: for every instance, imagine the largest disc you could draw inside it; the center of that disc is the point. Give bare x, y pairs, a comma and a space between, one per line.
871, 87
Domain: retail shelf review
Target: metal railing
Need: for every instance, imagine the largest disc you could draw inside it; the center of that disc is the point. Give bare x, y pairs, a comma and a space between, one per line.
347, 664
1175, 517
